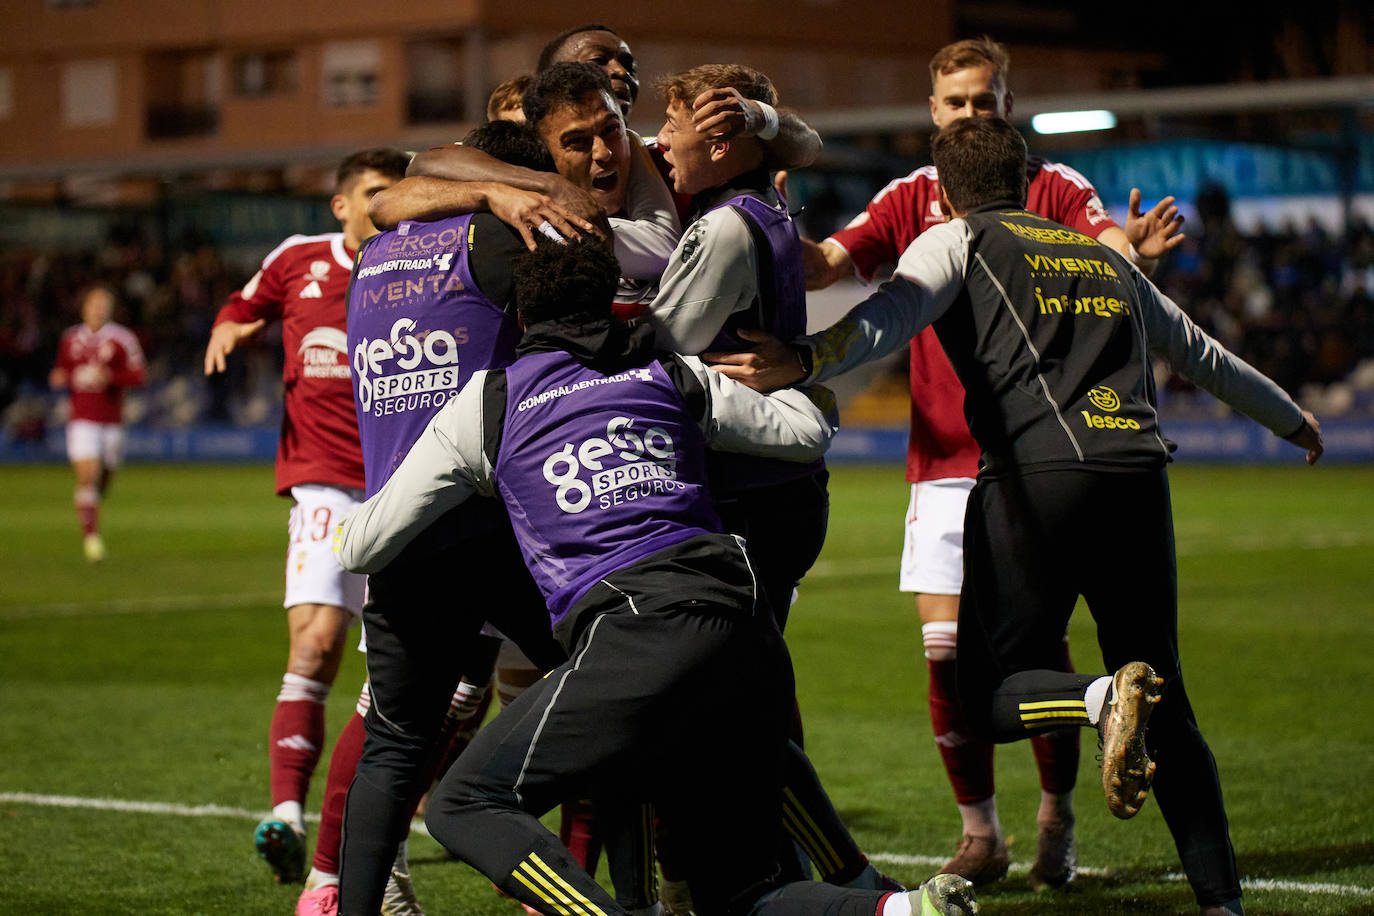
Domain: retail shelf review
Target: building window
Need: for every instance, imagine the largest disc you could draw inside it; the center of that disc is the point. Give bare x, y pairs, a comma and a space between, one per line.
434, 89
183, 90
264, 73
348, 73
90, 96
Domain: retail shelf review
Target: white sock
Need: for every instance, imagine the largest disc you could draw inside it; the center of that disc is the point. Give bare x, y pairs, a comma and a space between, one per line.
899, 904
294, 688
940, 639
291, 813
319, 878
1094, 696
980, 818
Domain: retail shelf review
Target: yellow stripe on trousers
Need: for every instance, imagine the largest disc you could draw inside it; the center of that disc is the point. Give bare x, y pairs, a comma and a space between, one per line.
808, 835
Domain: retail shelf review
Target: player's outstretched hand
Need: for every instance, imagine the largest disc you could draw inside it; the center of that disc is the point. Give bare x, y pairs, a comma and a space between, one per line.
224, 338
527, 212
771, 364
1156, 230
723, 113
1309, 437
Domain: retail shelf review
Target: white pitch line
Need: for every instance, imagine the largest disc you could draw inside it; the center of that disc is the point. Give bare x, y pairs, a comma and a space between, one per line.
153, 604
1305, 887
417, 826
136, 807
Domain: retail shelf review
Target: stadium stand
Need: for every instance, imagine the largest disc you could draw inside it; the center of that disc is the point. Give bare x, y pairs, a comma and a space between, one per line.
1296, 301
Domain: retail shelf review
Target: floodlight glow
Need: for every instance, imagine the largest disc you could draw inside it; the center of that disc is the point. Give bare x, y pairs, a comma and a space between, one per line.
1067, 122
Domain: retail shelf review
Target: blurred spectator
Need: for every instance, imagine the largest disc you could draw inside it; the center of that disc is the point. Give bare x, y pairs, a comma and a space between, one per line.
1297, 302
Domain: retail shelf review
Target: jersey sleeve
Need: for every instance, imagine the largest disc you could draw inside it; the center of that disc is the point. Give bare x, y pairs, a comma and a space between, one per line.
790, 424
1172, 336
929, 277
871, 238
712, 274
1074, 201
130, 368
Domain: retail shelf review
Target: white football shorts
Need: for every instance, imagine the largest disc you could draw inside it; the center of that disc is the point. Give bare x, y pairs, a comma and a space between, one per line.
313, 574
89, 439
933, 544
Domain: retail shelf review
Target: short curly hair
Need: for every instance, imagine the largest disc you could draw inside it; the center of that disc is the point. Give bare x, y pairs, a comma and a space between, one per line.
565, 279
564, 83
514, 142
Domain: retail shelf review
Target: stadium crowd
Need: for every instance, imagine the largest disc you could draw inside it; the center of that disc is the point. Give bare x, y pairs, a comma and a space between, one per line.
1297, 302
167, 295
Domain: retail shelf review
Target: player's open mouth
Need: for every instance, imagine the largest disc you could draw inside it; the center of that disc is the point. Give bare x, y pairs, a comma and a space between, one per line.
607, 182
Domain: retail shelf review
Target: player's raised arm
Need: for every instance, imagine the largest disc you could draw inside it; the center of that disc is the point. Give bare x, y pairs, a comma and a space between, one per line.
928, 277
463, 163
790, 424
420, 197
826, 263
723, 113
1174, 337
225, 338
1147, 235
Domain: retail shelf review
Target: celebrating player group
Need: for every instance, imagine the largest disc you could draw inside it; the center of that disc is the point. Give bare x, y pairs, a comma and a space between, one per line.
567, 367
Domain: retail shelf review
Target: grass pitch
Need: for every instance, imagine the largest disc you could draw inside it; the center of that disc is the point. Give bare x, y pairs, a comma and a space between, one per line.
135, 698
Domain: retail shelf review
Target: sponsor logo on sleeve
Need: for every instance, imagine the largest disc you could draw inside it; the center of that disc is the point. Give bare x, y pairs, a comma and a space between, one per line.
692, 242
1097, 212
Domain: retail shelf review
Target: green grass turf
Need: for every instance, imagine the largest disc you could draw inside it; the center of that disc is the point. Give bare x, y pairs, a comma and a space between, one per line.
152, 677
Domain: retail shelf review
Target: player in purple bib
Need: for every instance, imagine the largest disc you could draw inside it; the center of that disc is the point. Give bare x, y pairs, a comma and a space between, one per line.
429, 304
596, 444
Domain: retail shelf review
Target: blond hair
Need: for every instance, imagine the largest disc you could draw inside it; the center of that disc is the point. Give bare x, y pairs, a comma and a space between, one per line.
686, 86
971, 52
